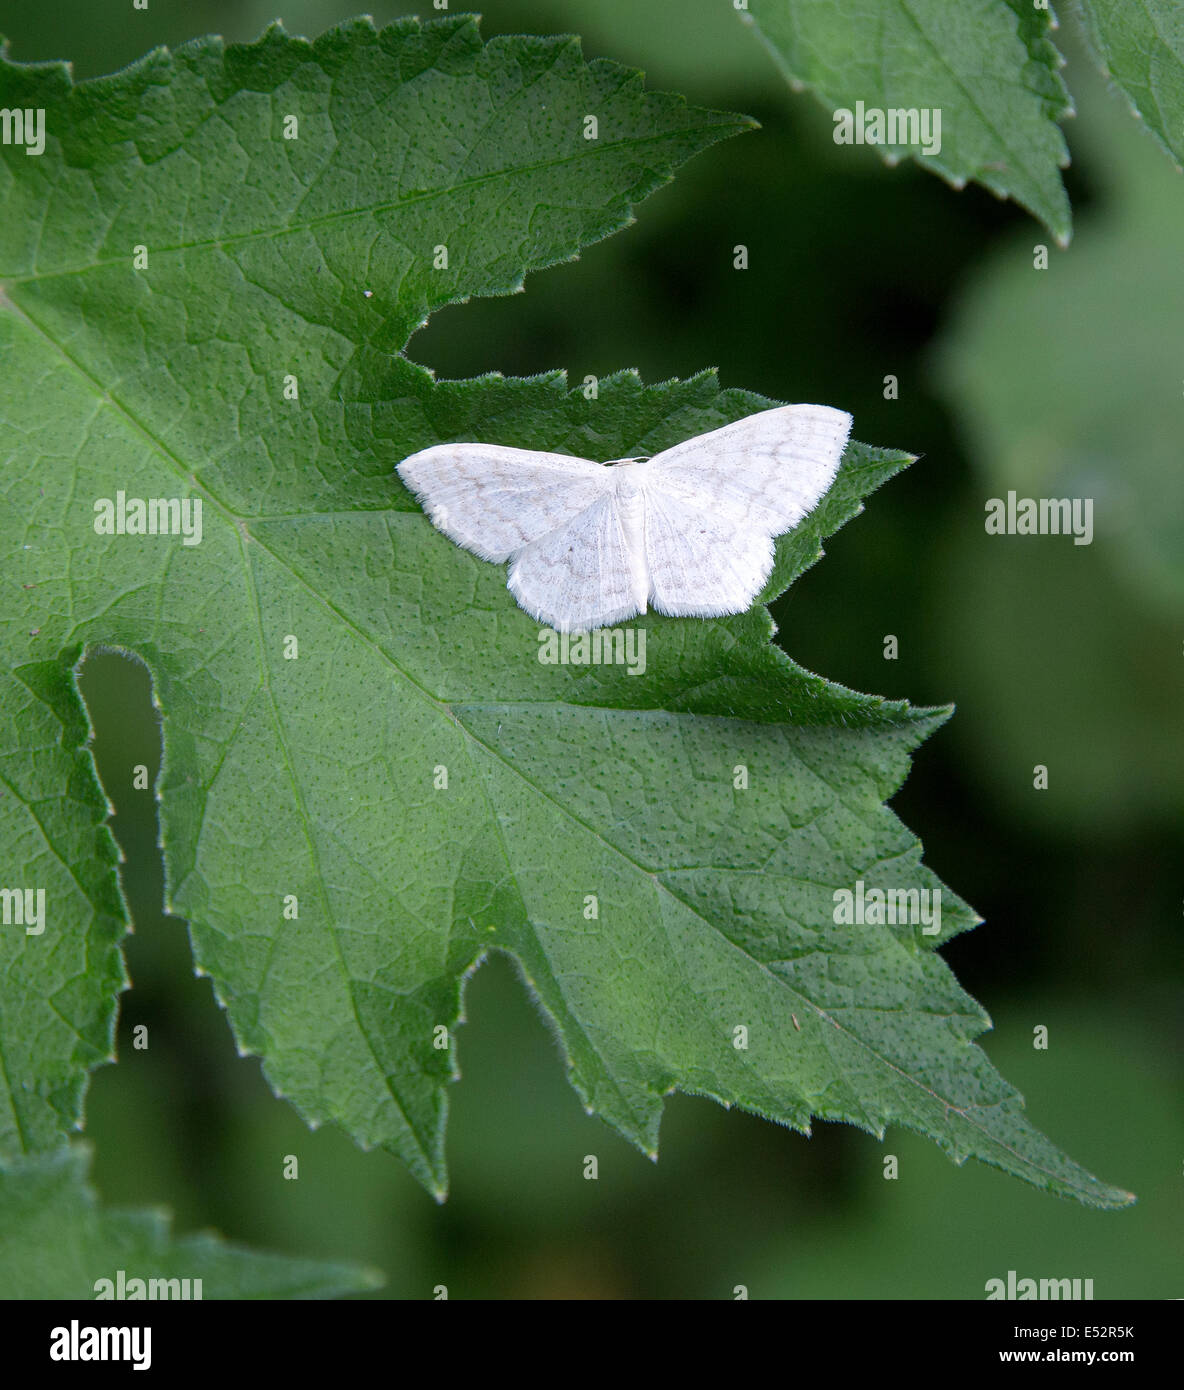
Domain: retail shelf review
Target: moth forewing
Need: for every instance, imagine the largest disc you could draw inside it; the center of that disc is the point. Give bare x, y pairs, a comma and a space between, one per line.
688, 532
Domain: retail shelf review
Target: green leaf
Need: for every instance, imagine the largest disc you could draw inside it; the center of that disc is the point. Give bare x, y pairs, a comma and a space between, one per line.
267, 257
988, 66
1064, 411
56, 1242
1053, 411
351, 823
1141, 47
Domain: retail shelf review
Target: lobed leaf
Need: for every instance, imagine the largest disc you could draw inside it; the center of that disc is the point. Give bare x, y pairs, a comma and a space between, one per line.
988, 66
369, 778
57, 1242
1141, 48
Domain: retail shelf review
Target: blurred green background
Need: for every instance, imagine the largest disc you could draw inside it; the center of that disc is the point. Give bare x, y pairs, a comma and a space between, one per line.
1068, 381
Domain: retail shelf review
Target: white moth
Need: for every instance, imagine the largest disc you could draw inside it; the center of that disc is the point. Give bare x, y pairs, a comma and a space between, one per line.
688, 532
